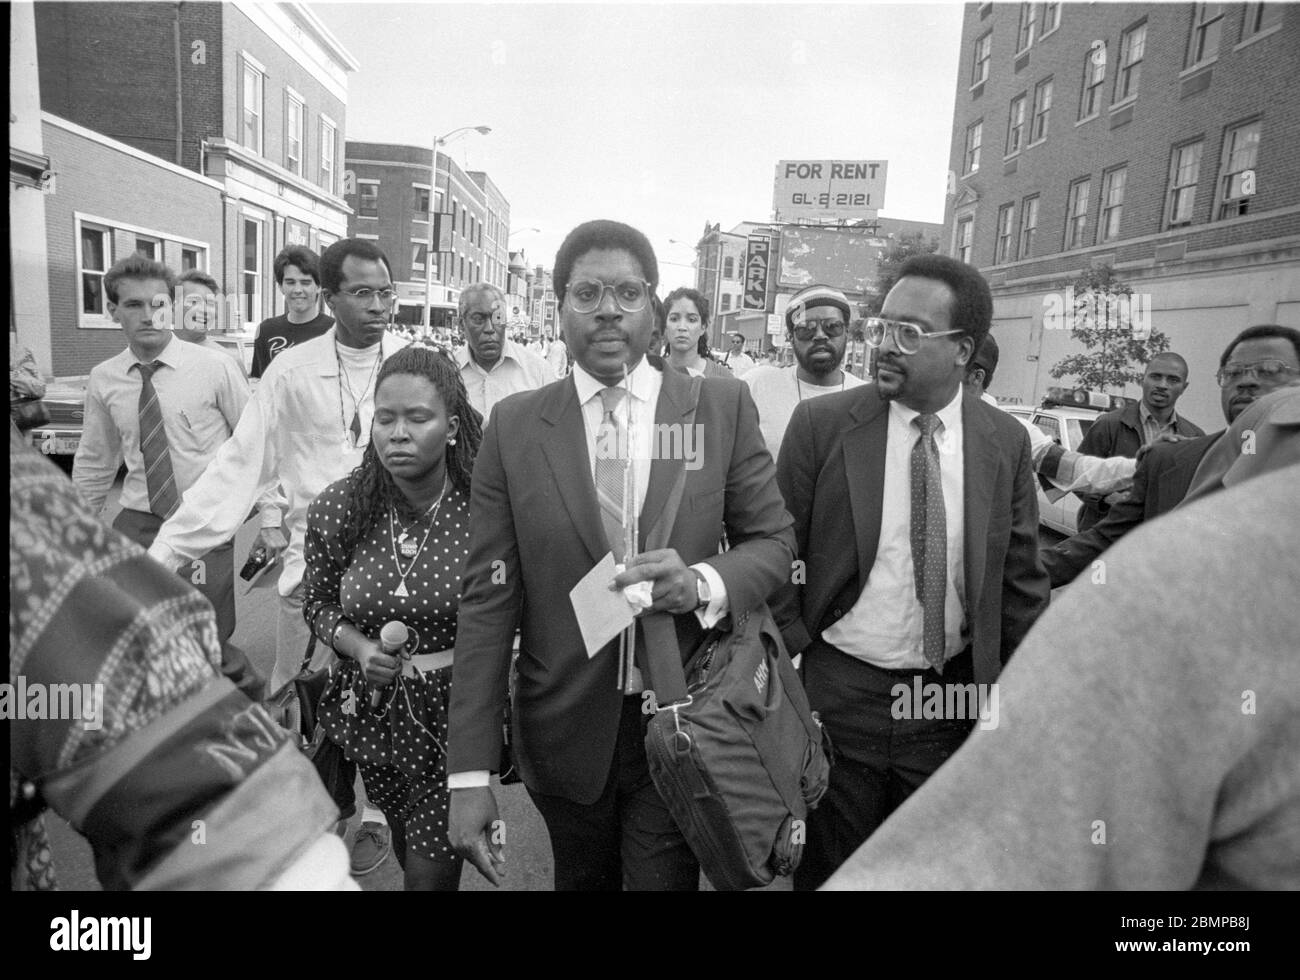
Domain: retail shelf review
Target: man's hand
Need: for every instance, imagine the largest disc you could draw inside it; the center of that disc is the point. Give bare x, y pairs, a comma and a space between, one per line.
674, 581
273, 540
1163, 437
470, 828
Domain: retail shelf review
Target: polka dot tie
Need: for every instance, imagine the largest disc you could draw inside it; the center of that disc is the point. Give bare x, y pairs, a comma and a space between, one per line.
611, 469
929, 536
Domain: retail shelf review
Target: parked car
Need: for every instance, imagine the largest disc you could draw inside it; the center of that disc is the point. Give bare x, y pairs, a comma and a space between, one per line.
65, 400
1065, 415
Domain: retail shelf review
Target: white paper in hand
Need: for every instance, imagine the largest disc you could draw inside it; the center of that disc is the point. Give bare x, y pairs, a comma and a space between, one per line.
601, 614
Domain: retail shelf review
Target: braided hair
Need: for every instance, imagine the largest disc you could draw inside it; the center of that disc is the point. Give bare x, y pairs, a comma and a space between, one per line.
371, 490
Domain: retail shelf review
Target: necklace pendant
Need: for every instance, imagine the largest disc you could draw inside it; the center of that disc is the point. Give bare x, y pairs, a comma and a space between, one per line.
356, 428
400, 591
408, 548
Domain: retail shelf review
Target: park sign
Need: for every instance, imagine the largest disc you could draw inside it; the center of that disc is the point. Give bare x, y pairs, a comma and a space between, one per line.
758, 255
828, 191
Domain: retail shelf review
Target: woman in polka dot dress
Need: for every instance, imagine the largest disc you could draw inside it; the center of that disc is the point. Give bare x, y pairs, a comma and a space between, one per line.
388, 542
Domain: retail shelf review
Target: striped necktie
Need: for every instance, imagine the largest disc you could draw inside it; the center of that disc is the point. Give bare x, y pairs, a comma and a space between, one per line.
158, 475
611, 469
929, 538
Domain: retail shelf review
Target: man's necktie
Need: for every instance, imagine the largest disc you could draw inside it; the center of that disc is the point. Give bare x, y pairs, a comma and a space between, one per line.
929, 538
158, 475
611, 466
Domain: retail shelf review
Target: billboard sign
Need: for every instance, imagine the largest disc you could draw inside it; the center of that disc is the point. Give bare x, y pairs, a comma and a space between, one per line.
828, 191
758, 256
840, 257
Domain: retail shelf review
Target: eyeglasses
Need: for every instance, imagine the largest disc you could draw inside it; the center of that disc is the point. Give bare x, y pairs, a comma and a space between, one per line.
584, 295
807, 330
364, 294
907, 336
1267, 371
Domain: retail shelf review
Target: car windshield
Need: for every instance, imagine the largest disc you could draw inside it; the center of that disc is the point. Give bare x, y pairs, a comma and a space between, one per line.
1078, 429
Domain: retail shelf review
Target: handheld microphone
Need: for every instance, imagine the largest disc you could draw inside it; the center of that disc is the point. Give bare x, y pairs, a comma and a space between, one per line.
392, 638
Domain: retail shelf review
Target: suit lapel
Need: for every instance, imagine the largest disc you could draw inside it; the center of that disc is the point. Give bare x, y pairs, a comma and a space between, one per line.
564, 442
979, 475
864, 469
672, 408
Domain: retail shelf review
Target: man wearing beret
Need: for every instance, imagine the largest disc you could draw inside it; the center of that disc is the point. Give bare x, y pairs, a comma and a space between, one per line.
816, 324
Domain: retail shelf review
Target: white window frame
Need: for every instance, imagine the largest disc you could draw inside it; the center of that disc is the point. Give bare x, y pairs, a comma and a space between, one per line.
328, 161
1252, 24
1005, 236
417, 244
980, 65
292, 164
963, 238
1128, 68
252, 300
1109, 204
1094, 84
1025, 30
1028, 230
199, 255
1044, 30
1042, 110
1207, 23
367, 182
415, 211
101, 319
1077, 203
1228, 173
1173, 197
250, 65
970, 160
1016, 126
156, 247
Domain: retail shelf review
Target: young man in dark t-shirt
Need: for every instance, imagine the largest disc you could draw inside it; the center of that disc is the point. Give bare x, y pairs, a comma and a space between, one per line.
297, 273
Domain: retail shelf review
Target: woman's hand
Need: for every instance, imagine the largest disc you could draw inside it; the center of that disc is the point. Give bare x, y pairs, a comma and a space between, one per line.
377, 667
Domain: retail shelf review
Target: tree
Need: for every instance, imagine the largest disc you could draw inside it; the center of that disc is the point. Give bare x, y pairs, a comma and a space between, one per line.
1114, 326
899, 251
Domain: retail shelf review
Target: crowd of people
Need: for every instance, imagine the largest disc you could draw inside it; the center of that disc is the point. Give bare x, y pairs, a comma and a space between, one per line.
891, 525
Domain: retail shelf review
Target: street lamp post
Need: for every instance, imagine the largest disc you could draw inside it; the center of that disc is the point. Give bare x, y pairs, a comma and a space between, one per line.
433, 188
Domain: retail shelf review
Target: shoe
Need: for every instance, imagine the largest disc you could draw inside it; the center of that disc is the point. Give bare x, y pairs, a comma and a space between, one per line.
370, 848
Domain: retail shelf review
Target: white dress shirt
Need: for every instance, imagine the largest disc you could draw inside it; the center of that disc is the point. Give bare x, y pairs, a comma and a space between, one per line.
294, 433
885, 627
201, 394
518, 369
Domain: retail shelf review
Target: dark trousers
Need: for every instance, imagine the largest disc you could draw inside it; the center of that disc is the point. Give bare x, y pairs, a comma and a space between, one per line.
879, 759
217, 583
627, 838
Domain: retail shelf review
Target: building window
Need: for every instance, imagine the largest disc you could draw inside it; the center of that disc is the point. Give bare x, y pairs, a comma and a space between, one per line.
148, 247
1006, 226
418, 251
726, 302
421, 200
1260, 17
983, 58
729, 267
1112, 203
189, 259
368, 198
965, 233
1042, 110
251, 270
328, 153
1028, 13
252, 106
1094, 75
1028, 225
1076, 214
1016, 125
293, 134
1051, 18
96, 257
1207, 28
974, 136
1184, 172
1237, 185
1132, 48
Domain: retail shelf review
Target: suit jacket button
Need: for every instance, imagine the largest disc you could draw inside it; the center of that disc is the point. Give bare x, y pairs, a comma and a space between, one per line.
837, 612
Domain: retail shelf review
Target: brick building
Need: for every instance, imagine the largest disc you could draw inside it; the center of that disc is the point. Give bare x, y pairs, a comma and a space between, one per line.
251, 95
1158, 139
391, 205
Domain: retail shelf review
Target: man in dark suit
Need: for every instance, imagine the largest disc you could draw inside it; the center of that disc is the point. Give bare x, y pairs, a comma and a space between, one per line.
542, 517
1260, 359
1126, 430
916, 514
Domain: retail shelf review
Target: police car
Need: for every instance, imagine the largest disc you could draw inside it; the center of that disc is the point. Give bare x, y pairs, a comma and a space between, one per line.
1065, 415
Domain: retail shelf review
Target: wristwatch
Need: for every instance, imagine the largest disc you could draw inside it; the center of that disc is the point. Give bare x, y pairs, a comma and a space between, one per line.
702, 592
